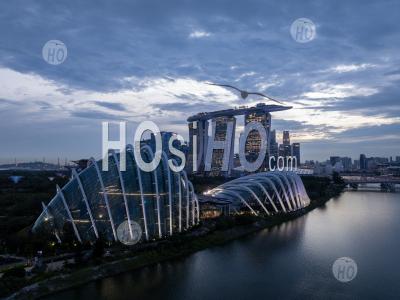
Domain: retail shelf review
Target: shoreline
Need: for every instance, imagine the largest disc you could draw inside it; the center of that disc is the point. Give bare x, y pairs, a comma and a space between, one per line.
163, 251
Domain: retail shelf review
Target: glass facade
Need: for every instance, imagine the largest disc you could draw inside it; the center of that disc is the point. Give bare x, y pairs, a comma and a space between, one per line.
263, 193
94, 203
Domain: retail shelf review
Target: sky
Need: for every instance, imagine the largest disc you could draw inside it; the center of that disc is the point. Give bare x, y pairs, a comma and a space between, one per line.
150, 60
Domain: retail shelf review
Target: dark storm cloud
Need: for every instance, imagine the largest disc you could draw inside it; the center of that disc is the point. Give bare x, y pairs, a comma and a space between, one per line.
394, 72
109, 41
94, 114
8, 102
385, 102
373, 132
297, 126
110, 105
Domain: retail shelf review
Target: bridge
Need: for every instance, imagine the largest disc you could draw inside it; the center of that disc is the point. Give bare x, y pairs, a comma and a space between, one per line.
387, 182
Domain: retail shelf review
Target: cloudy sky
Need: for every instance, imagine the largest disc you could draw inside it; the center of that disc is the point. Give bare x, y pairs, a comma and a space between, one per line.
149, 60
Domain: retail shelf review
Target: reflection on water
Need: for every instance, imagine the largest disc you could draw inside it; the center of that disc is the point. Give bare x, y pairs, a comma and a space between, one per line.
292, 260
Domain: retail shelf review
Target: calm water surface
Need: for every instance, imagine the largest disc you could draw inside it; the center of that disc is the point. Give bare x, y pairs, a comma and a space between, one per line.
291, 261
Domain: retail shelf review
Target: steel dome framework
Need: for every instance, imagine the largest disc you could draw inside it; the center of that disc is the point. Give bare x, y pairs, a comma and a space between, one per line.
264, 193
94, 203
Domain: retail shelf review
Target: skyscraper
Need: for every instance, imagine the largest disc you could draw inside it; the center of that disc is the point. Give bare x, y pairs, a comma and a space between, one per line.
253, 142
281, 150
221, 124
273, 148
347, 163
286, 137
296, 152
363, 162
198, 133
199, 129
334, 159
287, 148
273, 144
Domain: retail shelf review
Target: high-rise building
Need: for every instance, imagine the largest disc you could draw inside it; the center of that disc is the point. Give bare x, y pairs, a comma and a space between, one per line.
165, 137
221, 124
296, 152
273, 147
347, 163
363, 162
286, 137
199, 129
273, 144
287, 148
253, 142
281, 150
356, 164
334, 159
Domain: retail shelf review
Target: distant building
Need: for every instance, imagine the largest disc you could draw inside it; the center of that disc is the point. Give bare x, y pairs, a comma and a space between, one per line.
281, 150
286, 147
363, 162
341, 164
165, 137
356, 164
334, 159
338, 167
296, 152
253, 142
273, 144
286, 137
347, 163
221, 124
323, 168
199, 129
381, 160
370, 164
81, 164
273, 147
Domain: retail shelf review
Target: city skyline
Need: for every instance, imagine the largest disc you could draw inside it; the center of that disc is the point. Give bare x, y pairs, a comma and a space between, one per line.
136, 62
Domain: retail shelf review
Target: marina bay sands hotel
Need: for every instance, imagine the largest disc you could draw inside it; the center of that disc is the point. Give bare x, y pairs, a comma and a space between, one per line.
210, 158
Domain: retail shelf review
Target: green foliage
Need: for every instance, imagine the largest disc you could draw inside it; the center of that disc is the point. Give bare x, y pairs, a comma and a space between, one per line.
224, 222
245, 219
20, 205
337, 179
18, 272
316, 186
98, 249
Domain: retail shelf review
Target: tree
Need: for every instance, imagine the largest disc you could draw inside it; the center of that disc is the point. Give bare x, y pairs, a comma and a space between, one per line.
98, 249
337, 179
